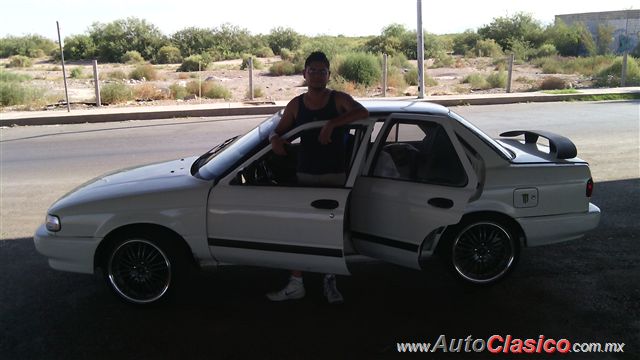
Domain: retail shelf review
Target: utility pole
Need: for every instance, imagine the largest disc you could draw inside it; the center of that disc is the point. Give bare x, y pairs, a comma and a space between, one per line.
420, 34
623, 76
64, 71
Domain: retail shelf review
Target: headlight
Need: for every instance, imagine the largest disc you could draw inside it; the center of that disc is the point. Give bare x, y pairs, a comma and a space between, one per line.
53, 223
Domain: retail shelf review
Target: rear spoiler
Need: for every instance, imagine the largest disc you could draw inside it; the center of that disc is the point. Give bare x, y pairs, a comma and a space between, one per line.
561, 146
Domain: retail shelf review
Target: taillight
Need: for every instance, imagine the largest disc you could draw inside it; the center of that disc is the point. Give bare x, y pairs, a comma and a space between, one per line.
589, 187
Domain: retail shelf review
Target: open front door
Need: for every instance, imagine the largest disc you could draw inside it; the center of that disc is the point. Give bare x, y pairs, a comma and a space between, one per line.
416, 181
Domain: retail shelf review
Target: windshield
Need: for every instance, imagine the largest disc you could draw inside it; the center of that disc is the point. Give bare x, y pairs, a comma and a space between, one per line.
484, 137
218, 161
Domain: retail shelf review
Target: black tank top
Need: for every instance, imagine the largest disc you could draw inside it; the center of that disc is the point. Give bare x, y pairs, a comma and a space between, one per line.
315, 158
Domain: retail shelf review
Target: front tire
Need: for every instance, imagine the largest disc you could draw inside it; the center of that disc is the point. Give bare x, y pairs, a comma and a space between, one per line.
140, 270
480, 251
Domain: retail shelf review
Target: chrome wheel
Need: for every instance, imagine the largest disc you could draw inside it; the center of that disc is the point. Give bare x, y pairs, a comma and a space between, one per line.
139, 271
483, 252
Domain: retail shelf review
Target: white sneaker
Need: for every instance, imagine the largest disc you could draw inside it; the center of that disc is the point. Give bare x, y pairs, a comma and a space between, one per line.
331, 290
293, 291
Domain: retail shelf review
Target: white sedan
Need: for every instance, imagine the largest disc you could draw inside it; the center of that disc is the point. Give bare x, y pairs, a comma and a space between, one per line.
421, 181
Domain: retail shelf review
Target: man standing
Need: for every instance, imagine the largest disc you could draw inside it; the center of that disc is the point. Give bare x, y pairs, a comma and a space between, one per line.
321, 159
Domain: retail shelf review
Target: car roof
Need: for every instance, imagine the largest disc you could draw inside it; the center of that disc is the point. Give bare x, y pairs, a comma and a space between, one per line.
401, 106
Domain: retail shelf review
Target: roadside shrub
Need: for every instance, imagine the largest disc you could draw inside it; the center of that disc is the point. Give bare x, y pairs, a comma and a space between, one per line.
258, 92
476, 81
263, 52
395, 79
132, 57
339, 83
146, 72
497, 79
117, 75
611, 76
6, 76
76, 73
361, 68
14, 93
210, 89
486, 47
257, 64
169, 55
546, 50
443, 60
115, 93
178, 91
281, 68
553, 83
195, 63
19, 61
149, 92
411, 77
216, 91
286, 54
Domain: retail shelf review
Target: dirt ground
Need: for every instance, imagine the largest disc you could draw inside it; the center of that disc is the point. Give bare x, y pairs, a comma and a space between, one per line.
48, 76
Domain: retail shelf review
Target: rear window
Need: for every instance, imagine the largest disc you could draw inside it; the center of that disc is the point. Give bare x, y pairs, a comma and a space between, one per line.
484, 137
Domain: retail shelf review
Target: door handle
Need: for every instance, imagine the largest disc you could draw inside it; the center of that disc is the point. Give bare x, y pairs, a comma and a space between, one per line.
325, 204
441, 203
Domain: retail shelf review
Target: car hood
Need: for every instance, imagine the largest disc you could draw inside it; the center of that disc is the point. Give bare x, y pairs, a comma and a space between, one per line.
163, 177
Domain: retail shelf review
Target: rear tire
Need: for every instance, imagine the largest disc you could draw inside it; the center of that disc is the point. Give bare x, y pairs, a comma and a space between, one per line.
481, 251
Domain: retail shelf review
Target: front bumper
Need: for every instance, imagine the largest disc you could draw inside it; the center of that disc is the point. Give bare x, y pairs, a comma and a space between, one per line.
73, 254
543, 230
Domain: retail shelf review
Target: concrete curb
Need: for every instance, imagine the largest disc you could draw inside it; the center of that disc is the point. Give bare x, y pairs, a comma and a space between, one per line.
221, 109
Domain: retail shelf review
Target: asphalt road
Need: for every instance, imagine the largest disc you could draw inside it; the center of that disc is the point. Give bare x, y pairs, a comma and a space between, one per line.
585, 291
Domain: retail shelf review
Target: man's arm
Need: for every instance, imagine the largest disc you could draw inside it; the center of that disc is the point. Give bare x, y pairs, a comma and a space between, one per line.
285, 124
350, 111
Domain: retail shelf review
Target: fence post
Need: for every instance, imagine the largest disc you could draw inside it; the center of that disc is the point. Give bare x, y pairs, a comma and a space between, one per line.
64, 71
250, 77
96, 82
384, 75
511, 59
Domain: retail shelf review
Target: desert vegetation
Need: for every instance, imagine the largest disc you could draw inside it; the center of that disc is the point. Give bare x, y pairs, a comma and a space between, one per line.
137, 51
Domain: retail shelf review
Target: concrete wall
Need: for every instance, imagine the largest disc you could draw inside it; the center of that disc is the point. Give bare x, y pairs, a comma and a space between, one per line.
618, 19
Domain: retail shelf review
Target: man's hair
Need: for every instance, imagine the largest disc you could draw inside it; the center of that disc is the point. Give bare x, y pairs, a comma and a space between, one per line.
317, 56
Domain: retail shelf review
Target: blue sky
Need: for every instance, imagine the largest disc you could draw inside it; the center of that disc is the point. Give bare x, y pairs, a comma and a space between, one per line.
332, 17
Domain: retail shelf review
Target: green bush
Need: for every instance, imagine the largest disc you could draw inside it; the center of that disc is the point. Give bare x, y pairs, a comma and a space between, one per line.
178, 91
216, 91
477, 81
169, 55
497, 79
146, 72
258, 92
263, 52
546, 50
115, 93
286, 54
487, 47
257, 64
117, 75
6, 76
611, 76
76, 73
282, 68
28, 45
19, 61
195, 63
14, 93
132, 57
443, 60
361, 68
411, 77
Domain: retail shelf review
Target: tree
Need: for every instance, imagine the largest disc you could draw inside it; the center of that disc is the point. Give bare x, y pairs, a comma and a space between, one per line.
78, 47
463, 43
574, 40
29, 45
280, 37
114, 39
521, 27
193, 40
605, 38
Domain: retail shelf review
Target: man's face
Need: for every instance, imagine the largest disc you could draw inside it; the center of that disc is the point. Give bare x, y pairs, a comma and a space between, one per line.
317, 75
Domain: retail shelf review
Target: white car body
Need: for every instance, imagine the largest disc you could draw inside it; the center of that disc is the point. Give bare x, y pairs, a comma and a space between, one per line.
221, 213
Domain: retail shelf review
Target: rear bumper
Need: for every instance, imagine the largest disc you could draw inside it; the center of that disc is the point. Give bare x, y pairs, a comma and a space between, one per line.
543, 230
66, 253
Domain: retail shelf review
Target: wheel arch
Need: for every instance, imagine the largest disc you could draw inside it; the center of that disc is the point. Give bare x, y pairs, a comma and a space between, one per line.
487, 215
140, 228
